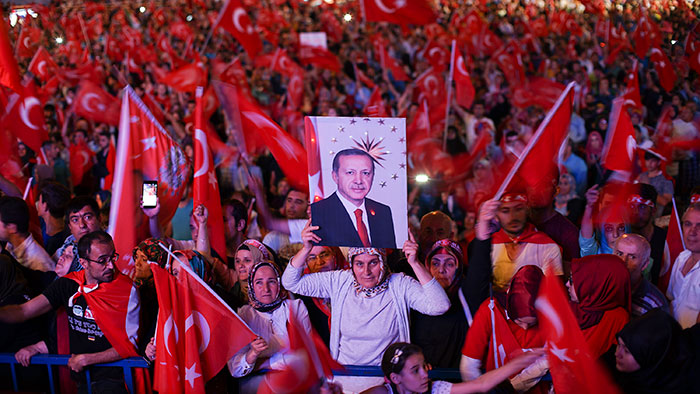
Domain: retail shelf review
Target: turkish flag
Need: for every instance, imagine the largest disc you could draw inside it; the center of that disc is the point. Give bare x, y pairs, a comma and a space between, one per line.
288, 152
362, 77
431, 84
234, 19
539, 27
205, 187
180, 30
163, 43
42, 65
464, 90
196, 333
310, 361
10, 163
392, 65
631, 93
400, 12
94, 27
24, 117
187, 78
663, 66
145, 152
295, 88
314, 159
9, 71
694, 55
375, 105
80, 162
570, 363
489, 42
512, 66
538, 91
28, 39
436, 55
320, 57
92, 102
645, 36
538, 163
232, 73
620, 143
111, 159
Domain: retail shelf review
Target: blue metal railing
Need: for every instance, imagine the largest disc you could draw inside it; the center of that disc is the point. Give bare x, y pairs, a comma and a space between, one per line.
127, 364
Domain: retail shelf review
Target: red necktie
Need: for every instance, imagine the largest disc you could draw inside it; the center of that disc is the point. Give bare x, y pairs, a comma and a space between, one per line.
361, 228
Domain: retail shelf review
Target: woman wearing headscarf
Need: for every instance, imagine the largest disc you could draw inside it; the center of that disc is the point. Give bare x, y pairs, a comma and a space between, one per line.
600, 292
149, 250
369, 305
516, 331
566, 201
441, 337
654, 355
266, 314
248, 254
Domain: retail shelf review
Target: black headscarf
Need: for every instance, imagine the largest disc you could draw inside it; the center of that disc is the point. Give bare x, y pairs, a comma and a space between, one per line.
657, 343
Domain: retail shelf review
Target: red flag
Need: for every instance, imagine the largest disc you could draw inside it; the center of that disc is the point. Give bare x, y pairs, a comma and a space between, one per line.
645, 36
620, 143
539, 27
111, 158
362, 77
464, 90
180, 30
92, 102
431, 84
674, 246
693, 52
663, 66
295, 88
538, 91
9, 71
570, 363
375, 105
205, 186
42, 65
436, 55
186, 79
314, 159
538, 162
196, 334
631, 93
392, 65
28, 39
24, 117
10, 163
234, 19
288, 152
320, 57
80, 162
311, 362
401, 12
145, 152
512, 66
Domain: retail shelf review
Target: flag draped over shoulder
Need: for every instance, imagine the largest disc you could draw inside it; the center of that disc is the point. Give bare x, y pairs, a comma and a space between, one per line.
145, 152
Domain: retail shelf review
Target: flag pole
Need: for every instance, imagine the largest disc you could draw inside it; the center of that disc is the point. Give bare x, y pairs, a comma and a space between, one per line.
27, 188
533, 141
449, 92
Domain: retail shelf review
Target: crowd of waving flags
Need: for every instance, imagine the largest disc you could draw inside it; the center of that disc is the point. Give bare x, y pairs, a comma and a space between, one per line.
144, 150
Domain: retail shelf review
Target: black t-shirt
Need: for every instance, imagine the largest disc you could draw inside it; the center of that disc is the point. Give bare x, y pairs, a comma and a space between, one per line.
84, 334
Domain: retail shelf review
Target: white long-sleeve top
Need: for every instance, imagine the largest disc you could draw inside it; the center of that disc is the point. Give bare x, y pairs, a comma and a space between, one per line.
407, 294
272, 327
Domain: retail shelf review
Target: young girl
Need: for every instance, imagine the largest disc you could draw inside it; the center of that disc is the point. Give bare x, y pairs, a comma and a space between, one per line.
405, 369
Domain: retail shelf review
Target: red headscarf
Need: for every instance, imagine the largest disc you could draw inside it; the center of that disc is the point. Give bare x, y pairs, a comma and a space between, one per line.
602, 283
522, 293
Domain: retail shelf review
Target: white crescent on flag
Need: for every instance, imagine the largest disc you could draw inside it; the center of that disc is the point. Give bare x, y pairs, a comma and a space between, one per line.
24, 109
86, 101
41, 67
167, 328
545, 307
380, 4
202, 138
237, 14
203, 325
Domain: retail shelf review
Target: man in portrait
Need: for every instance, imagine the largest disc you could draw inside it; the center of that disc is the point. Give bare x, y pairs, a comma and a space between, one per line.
347, 217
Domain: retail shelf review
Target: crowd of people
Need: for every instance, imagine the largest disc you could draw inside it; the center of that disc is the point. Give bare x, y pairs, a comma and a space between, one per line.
430, 303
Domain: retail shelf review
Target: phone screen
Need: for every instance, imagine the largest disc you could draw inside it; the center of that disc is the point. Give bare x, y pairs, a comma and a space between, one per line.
149, 196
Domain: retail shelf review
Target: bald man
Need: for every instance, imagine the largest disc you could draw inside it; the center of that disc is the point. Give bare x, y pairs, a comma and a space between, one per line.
635, 251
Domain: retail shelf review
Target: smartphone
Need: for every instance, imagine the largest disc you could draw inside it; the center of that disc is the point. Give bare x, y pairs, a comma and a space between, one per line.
149, 194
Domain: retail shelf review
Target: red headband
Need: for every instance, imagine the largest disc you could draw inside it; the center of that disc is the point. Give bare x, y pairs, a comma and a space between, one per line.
694, 198
637, 199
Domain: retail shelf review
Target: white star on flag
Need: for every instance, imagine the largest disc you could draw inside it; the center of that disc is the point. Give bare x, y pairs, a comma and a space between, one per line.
560, 353
191, 374
212, 178
149, 143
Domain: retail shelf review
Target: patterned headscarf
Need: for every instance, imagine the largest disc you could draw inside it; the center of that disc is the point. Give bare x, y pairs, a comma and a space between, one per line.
450, 247
253, 300
153, 251
257, 250
384, 274
198, 263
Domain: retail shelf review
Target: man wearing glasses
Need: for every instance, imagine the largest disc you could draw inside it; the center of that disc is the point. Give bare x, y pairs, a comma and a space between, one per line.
103, 313
82, 217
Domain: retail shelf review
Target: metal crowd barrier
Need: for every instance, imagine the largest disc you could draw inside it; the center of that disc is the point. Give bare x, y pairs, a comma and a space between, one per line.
127, 364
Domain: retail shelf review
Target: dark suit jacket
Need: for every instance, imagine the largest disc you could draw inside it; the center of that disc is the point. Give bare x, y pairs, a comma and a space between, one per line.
336, 226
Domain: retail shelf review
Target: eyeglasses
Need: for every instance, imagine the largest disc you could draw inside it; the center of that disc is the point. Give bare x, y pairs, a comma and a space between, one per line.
323, 255
104, 259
